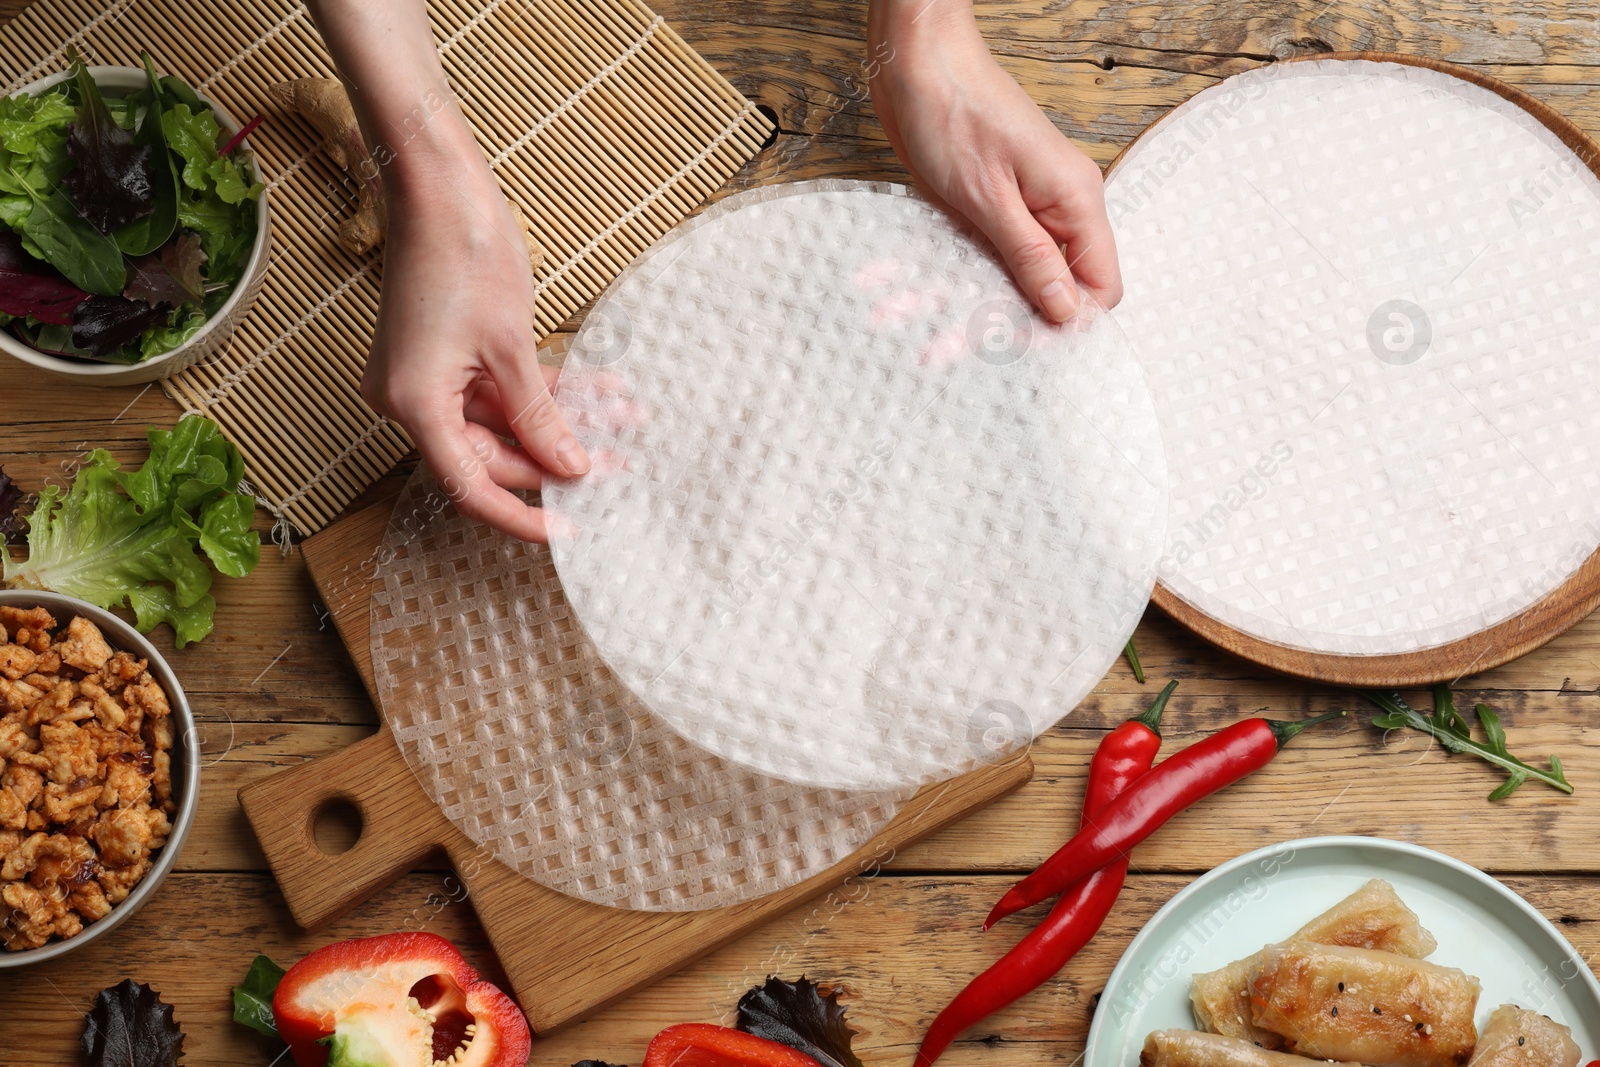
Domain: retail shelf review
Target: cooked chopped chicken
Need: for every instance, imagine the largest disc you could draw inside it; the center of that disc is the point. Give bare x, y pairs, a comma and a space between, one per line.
84, 646
85, 775
15, 661
123, 837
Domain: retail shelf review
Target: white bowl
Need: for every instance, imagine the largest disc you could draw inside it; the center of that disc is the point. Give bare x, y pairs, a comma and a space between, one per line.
185, 765
211, 337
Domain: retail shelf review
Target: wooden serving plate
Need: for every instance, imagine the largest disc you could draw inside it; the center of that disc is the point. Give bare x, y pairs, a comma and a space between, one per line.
1540, 622
564, 957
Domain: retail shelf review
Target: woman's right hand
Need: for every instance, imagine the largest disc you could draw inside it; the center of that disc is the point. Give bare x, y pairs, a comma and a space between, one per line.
454, 358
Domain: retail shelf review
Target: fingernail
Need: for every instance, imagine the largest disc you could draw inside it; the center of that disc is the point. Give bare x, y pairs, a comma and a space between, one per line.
574, 461
1060, 298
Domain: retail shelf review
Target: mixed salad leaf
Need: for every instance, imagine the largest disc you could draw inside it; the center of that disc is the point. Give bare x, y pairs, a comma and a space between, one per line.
147, 538
801, 1015
125, 223
12, 502
112, 180
252, 998
131, 1026
28, 288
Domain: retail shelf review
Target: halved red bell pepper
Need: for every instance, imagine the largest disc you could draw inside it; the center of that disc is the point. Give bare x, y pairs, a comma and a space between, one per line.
705, 1045
398, 999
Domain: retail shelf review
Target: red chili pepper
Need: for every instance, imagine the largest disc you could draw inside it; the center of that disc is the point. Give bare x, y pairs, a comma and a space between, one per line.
705, 1045
1196, 772
1123, 756
399, 998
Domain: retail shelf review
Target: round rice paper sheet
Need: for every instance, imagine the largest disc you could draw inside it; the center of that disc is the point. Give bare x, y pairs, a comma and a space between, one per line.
860, 518
529, 744
1365, 296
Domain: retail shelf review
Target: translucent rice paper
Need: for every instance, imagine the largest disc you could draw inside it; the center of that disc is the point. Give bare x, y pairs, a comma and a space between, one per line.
869, 521
1365, 294
530, 746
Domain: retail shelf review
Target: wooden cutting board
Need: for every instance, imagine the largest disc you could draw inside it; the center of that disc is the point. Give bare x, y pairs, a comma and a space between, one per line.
564, 957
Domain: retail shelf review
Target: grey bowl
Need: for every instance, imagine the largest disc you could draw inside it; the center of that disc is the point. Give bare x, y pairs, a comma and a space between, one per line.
185, 765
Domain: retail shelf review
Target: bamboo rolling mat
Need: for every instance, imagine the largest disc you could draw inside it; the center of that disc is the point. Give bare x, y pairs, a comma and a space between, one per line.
599, 121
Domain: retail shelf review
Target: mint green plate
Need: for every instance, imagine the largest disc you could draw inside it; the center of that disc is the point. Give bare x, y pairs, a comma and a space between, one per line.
1264, 896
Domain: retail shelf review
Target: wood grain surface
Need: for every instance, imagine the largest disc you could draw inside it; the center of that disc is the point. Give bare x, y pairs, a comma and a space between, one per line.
564, 957
275, 687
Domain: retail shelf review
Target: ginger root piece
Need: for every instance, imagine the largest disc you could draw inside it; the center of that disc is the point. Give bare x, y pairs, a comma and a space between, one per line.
325, 104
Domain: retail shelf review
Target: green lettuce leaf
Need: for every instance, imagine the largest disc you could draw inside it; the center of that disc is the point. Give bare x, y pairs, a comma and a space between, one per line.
143, 538
181, 326
35, 125
227, 233
193, 135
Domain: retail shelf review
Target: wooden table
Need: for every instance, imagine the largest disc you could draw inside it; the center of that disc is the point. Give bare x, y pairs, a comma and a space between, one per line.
274, 686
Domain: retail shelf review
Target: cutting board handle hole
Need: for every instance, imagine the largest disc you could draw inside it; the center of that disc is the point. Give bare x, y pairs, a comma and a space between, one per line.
336, 826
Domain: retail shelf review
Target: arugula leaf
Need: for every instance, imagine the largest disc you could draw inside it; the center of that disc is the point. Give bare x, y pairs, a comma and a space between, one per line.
800, 1015
148, 233
102, 325
69, 243
227, 233
144, 537
252, 999
171, 277
1445, 713
131, 1026
114, 180
1453, 733
1133, 662
28, 287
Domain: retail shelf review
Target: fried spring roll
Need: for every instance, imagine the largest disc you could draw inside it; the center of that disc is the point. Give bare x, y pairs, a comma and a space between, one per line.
1372, 917
1517, 1037
1339, 1003
1187, 1048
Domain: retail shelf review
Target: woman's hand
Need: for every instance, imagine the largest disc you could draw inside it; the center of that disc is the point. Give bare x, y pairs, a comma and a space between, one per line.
971, 136
453, 359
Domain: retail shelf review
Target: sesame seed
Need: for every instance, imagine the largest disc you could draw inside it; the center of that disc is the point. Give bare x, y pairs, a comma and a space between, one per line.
1336, 1011
1341, 987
